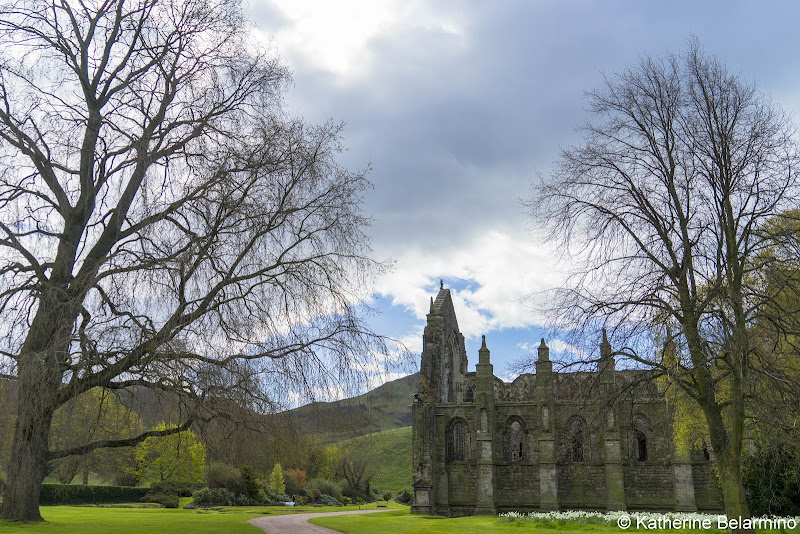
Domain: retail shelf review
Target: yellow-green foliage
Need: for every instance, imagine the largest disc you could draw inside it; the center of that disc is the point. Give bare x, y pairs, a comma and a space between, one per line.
95, 415
690, 430
180, 457
276, 483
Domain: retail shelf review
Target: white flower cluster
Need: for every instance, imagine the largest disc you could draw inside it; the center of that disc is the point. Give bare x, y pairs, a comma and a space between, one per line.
647, 520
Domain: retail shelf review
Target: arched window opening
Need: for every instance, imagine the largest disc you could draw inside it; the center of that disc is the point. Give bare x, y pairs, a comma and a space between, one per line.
456, 441
640, 446
576, 444
516, 443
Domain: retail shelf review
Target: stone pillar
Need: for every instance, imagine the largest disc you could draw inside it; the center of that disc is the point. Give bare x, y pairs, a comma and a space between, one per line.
484, 406
441, 497
684, 486
612, 446
421, 459
548, 474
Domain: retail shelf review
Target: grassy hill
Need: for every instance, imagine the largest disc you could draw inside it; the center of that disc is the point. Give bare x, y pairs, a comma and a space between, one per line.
375, 426
385, 407
389, 452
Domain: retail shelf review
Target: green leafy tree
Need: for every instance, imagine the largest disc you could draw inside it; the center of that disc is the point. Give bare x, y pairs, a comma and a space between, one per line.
178, 457
276, 483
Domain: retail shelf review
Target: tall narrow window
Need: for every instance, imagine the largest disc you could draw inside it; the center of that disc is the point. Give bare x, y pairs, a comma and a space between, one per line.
456, 441
517, 436
640, 446
577, 444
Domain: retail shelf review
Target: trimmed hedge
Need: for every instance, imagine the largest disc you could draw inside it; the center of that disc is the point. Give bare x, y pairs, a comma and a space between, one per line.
77, 494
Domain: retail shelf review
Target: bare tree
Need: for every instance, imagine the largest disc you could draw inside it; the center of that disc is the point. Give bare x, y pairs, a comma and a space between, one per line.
357, 472
163, 224
664, 210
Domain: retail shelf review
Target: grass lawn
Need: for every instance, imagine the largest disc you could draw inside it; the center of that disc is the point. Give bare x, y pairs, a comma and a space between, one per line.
95, 520
401, 522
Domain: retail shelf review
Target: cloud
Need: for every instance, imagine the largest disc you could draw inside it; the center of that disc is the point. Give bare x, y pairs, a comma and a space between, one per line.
495, 272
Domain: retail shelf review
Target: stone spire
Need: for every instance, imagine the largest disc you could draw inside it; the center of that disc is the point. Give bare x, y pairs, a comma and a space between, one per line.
483, 353
544, 352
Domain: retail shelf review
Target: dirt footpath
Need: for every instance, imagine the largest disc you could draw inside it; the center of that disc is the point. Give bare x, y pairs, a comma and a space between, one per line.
298, 523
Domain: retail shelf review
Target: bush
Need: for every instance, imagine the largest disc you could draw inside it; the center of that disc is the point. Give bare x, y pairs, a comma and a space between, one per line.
53, 494
292, 486
167, 500
282, 497
249, 484
214, 497
326, 486
404, 497
221, 475
179, 488
327, 500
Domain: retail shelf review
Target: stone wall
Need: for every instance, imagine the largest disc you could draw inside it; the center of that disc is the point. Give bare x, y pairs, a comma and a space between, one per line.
649, 485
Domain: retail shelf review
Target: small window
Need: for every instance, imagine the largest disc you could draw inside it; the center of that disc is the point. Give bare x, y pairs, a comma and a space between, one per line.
469, 395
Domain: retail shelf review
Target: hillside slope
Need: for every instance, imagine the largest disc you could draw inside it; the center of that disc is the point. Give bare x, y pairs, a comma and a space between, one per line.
389, 455
385, 407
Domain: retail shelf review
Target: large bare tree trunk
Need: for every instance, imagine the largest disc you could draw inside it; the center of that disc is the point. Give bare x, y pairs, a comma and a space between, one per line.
30, 447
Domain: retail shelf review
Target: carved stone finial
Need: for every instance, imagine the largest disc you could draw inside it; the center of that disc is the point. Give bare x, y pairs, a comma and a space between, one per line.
605, 337
483, 344
441, 284
431, 304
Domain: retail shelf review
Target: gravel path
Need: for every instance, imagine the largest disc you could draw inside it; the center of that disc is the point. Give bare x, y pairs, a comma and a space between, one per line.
298, 523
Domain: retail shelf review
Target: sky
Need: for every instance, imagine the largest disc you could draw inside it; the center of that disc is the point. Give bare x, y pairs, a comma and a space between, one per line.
458, 107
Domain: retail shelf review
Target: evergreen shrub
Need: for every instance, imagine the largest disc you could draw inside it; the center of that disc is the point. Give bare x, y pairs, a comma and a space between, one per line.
221, 475
213, 497
55, 494
327, 500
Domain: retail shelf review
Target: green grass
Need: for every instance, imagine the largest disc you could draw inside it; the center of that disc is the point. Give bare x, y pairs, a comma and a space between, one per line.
402, 522
389, 452
96, 520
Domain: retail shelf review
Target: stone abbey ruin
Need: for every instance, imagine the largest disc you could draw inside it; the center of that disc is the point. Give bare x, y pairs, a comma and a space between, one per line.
547, 441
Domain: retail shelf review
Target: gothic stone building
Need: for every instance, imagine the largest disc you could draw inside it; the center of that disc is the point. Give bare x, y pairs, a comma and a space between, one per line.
547, 441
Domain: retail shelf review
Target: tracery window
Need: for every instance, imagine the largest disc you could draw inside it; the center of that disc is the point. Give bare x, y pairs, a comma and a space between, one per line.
456, 441
574, 441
